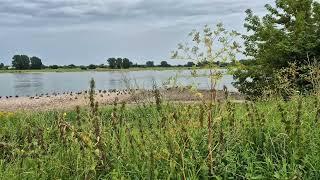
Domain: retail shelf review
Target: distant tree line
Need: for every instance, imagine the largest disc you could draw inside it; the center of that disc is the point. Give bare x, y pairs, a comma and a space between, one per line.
23, 62
125, 63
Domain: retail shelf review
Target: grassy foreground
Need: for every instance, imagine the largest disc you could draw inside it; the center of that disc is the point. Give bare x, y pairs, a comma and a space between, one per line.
262, 140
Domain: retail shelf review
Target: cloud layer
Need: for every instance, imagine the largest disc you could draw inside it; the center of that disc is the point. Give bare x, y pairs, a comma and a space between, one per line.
47, 23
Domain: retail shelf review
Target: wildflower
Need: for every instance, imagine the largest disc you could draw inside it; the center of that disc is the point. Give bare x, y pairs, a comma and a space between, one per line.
2, 114
10, 114
5, 114
200, 95
64, 114
86, 139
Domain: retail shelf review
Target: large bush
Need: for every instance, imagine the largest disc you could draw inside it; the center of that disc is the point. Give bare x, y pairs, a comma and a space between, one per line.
289, 33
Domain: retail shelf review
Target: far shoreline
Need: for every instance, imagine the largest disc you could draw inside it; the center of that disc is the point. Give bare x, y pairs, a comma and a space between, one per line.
63, 70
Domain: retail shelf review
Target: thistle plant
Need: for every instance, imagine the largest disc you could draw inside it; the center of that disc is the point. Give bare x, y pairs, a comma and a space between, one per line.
78, 117
91, 95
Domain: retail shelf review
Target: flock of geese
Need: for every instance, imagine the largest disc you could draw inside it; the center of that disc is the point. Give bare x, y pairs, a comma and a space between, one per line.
75, 95
102, 93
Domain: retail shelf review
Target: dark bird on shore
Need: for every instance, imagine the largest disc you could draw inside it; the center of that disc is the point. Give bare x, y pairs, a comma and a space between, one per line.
31, 97
17, 96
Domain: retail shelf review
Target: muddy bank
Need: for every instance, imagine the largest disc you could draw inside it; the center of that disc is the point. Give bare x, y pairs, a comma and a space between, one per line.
71, 100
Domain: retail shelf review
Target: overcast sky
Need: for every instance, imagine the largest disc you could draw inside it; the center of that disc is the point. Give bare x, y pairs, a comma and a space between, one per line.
90, 31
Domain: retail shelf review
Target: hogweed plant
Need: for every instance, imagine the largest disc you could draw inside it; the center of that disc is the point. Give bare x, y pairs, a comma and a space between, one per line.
209, 48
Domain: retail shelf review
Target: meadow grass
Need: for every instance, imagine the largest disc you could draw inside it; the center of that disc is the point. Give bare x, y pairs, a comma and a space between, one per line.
271, 139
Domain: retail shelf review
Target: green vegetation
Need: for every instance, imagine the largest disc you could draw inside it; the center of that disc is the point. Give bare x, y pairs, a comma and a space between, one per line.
288, 34
23, 62
275, 135
35, 67
85, 69
150, 64
119, 63
271, 139
210, 48
35, 63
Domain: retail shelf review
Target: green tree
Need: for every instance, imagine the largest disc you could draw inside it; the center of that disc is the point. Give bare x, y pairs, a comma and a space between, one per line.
112, 63
71, 66
101, 66
36, 63
189, 64
92, 66
1, 65
21, 62
83, 67
288, 33
126, 63
164, 64
119, 63
54, 67
150, 64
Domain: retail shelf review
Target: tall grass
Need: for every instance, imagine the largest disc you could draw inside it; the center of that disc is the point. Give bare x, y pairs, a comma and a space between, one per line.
270, 139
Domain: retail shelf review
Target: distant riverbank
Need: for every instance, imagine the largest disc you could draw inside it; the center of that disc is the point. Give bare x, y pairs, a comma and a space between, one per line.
61, 70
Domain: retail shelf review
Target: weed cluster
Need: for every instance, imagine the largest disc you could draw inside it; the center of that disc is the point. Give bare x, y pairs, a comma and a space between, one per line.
263, 139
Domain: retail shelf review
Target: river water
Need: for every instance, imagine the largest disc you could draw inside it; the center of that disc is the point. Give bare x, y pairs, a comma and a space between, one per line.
23, 84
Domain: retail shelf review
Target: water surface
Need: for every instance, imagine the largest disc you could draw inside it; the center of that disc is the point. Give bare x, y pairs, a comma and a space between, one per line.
23, 84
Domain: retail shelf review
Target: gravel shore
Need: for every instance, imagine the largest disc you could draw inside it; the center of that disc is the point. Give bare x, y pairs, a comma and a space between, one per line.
71, 100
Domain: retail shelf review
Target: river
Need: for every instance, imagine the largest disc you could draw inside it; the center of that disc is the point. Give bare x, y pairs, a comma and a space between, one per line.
24, 84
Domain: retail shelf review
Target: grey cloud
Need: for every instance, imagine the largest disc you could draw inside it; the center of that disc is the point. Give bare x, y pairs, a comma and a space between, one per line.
87, 31
28, 13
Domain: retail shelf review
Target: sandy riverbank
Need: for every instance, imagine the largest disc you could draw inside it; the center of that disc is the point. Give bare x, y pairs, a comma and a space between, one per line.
69, 101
